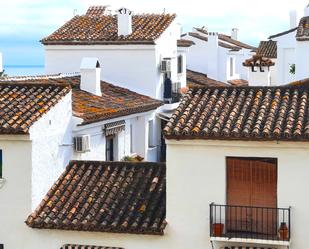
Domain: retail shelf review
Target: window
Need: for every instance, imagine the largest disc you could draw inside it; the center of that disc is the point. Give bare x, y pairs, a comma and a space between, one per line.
1, 164
131, 138
150, 134
231, 66
180, 64
109, 148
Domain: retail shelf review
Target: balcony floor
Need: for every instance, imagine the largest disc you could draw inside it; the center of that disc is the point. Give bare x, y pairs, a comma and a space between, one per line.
260, 241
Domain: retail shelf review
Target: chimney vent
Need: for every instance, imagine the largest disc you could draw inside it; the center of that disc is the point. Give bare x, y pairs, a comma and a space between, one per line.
293, 19
234, 33
90, 75
124, 19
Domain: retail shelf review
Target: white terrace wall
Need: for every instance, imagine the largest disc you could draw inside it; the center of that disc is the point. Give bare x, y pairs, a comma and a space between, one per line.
15, 193
51, 139
196, 177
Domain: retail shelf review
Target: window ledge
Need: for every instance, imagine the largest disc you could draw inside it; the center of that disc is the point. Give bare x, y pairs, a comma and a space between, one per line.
2, 182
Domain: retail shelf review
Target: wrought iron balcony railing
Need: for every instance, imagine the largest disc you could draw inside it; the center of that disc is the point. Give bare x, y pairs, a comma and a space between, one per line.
248, 222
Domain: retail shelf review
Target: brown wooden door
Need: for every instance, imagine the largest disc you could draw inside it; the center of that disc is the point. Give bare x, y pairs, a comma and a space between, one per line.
252, 182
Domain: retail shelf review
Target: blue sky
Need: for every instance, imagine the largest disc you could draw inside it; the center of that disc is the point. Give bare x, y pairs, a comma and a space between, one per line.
23, 23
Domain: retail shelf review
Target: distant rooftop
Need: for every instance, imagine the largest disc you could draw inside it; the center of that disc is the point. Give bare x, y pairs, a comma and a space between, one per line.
99, 27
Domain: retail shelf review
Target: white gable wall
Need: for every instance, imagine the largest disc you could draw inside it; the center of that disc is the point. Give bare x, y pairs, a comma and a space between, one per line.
51, 138
196, 177
302, 55
135, 67
286, 46
130, 66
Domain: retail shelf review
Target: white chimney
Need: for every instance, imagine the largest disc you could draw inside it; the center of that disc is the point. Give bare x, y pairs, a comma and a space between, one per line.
124, 18
306, 10
90, 73
293, 19
234, 33
213, 56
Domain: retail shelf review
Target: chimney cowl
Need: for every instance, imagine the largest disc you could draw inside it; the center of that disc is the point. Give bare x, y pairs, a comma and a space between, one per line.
293, 19
124, 21
234, 33
90, 75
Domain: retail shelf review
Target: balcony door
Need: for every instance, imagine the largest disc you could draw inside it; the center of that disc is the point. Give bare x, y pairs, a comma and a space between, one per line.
252, 195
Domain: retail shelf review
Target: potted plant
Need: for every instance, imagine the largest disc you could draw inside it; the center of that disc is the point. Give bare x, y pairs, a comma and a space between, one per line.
217, 229
283, 231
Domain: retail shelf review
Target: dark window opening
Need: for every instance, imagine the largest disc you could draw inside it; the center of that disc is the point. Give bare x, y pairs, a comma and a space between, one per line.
110, 148
180, 64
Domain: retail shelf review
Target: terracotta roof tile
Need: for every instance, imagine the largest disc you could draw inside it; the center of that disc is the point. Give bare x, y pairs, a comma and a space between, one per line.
257, 60
242, 113
115, 101
303, 29
102, 29
238, 82
96, 11
120, 197
267, 49
184, 43
196, 79
22, 105
229, 39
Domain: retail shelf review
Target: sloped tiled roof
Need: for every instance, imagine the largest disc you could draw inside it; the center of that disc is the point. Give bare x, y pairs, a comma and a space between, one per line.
96, 11
242, 113
228, 39
267, 49
238, 82
196, 79
74, 246
102, 29
282, 33
257, 60
115, 101
303, 29
119, 197
22, 105
221, 44
184, 43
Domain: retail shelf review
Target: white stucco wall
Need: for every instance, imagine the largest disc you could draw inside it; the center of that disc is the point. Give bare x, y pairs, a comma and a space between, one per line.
302, 55
196, 177
51, 139
286, 46
259, 78
15, 194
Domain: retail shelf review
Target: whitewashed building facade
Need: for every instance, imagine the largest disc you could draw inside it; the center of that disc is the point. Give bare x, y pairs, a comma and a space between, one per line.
219, 56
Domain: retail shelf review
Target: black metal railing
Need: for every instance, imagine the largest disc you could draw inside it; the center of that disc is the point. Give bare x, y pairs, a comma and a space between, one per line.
249, 222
